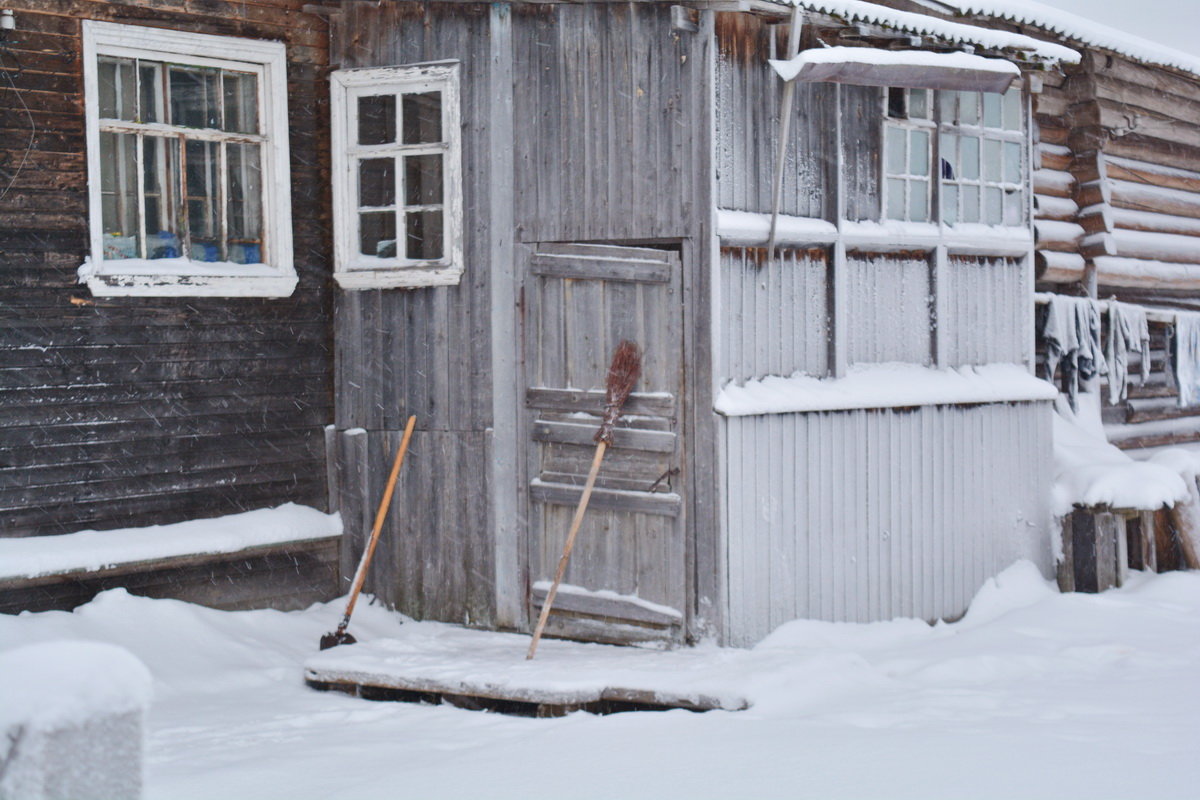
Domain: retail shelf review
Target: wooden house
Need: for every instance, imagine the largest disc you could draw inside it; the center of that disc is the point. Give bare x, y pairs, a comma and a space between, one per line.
822, 222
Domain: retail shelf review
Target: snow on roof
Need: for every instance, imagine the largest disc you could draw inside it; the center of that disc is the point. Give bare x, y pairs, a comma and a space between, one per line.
1079, 29
924, 24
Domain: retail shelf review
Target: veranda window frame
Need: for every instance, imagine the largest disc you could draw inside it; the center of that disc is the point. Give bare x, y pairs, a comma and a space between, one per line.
274, 275
352, 268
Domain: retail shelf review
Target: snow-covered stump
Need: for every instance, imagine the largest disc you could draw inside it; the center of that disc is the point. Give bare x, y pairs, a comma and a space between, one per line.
72, 720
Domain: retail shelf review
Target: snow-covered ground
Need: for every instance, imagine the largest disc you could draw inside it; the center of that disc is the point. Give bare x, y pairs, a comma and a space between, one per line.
1033, 695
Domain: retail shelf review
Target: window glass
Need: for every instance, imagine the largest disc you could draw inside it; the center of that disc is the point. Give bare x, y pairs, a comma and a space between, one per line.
1012, 109
918, 104
377, 119
151, 95
968, 108
423, 180
118, 192
244, 210
377, 234
241, 102
118, 88
918, 163
424, 234
897, 156
991, 110
376, 182
161, 170
203, 213
422, 114
194, 97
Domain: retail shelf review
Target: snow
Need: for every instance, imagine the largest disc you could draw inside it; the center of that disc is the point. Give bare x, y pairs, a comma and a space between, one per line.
1091, 472
1032, 695
747, 227
88, 551
1082, 30
58, 684
608, 594
788, 69
860, 11
890, 385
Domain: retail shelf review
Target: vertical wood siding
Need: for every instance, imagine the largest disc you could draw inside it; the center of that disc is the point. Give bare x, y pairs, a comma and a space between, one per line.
136, 411
888, 309
748, 93
606, 122
867, 515
987, 301
774, 314
425, 352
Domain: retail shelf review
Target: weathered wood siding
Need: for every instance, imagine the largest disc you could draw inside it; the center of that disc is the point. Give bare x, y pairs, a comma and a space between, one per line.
608, 136
132, 411
985, 311
774, 313
424, 352
868, 515
888, 309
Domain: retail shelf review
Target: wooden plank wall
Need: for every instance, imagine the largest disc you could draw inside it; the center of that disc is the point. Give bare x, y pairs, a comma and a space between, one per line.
888, 308
985, 311
425, 352
132, 411
888, 514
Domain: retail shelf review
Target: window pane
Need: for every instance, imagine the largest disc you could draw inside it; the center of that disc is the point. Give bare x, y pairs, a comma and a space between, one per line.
895, 198
150, 91
991, 110
423, 118
1012, 162
949, 204
118, 93
118, 195
204, 222
918, 103
244, 204
969, 163
896, 156
1014, 207
377, 119
241, 102
423, 235
376, 182
993, 213
970, 204
968, 108
377, 233
423, 180
1012, 109
948, 102
948, 145
194, 101
991, 160
161, 189
918, 154
918, 201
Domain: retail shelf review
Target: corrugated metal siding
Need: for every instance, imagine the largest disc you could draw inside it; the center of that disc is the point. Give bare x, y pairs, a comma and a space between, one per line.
867, 515
888, 306
985, 311
774, 315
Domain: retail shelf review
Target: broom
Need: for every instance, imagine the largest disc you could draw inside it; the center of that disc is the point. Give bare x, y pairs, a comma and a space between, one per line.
622, 375
340, 636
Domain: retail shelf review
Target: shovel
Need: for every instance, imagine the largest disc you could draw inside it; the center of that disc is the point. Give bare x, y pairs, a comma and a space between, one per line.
340, 636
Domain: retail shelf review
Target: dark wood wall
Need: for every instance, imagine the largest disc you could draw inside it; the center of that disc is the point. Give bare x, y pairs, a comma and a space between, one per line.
130, 411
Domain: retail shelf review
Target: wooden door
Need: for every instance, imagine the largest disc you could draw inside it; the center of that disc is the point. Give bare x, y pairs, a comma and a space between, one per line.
626, 579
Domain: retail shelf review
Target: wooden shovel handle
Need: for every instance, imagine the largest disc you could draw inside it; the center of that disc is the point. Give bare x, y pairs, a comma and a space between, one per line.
360, 576
566, 553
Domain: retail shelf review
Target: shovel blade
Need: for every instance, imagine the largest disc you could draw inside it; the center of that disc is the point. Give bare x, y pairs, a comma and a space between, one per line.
334, 639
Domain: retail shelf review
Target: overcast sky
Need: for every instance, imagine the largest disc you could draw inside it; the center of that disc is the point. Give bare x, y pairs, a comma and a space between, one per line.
1175, 23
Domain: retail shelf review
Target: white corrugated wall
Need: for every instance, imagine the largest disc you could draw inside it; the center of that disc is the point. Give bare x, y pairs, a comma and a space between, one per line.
873, 514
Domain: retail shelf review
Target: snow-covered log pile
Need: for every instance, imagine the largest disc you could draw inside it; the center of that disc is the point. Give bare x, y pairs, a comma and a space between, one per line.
72, 715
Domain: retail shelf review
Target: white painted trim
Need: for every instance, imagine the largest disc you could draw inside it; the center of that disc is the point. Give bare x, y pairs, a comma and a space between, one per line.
352, 270
276, 276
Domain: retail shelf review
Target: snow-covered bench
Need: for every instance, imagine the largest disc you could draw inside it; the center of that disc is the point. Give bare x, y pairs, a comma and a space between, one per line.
285, 557
71, 722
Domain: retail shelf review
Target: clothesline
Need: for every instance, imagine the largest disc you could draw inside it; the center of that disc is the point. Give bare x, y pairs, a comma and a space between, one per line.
1153, 314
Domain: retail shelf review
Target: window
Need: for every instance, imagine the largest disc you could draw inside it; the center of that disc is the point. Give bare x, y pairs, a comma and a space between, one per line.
397, 186
188, 158
980, 149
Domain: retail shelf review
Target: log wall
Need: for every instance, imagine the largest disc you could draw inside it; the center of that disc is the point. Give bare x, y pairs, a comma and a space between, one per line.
121, 412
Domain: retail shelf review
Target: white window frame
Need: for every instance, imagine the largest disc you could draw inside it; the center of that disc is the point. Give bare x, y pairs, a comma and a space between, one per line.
909, 125
276, 276
352, 269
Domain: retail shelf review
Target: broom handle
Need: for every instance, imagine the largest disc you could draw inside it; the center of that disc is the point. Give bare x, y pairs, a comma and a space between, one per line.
360, 576
566, 554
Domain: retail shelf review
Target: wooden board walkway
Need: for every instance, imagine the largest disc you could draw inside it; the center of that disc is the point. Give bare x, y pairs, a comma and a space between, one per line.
487, 671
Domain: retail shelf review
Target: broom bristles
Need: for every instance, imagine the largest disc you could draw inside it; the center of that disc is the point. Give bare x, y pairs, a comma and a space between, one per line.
623, 373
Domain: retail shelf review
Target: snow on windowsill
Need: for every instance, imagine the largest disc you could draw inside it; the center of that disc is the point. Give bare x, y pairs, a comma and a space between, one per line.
90, 551
874, 386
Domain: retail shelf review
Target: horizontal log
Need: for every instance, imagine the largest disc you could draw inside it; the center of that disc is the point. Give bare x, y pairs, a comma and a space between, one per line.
1156, 199
1137, 273
1053, 183
1135, 220
1154, 246
1153, 174
1055, 156
1055, 267
1056, 208
1052, 235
